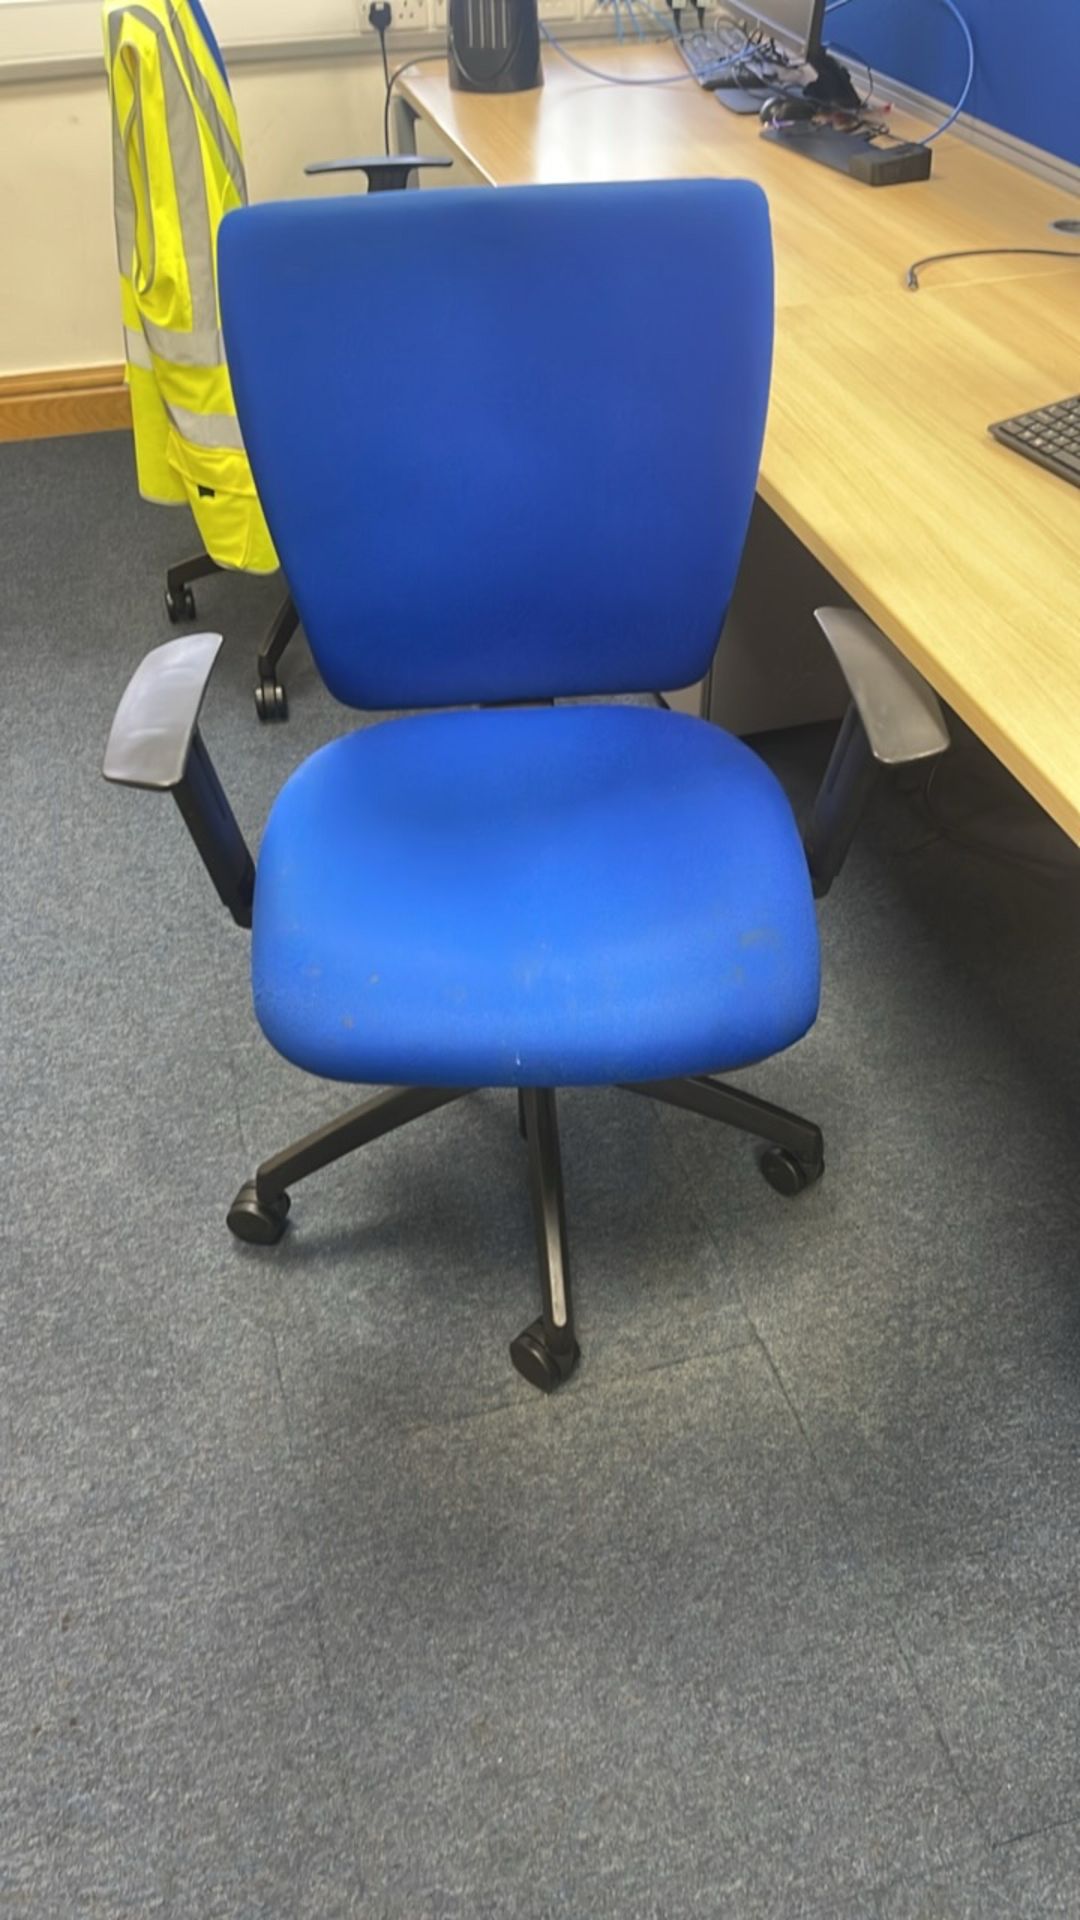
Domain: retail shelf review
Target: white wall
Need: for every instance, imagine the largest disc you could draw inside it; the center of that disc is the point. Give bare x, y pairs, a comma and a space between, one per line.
60, 301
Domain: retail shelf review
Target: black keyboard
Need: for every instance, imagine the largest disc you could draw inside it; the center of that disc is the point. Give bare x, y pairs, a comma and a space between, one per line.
1050, 435
715, 68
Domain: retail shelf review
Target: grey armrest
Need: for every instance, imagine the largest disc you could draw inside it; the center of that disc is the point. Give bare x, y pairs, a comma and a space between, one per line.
894, 718
386, 172
155, 742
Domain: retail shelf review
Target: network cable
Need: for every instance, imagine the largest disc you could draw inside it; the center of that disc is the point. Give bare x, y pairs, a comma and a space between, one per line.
632, 80
969, 42
727, 57
966, 89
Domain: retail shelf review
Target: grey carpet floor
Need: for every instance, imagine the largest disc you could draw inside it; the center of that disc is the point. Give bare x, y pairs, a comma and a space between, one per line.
309, 1607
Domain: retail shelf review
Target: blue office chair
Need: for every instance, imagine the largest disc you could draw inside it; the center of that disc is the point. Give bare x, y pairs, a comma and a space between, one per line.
517, 492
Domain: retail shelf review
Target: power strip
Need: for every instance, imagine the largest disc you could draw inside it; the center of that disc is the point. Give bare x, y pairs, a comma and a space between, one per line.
854, 154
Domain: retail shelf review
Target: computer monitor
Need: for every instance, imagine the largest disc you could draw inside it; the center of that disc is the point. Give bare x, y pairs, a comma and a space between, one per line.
795, 25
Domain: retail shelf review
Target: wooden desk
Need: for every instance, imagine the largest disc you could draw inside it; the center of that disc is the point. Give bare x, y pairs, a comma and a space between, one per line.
877, 455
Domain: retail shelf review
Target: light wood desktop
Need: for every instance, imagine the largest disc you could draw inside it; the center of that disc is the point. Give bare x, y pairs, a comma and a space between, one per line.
877, 455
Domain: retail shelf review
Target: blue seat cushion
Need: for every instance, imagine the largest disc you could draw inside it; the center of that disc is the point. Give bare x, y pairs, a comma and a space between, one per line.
532, 897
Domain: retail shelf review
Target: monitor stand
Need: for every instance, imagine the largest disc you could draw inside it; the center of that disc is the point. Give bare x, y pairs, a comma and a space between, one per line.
832, 84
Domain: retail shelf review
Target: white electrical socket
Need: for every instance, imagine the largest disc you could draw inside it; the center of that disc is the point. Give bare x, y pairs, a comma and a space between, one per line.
410, 16
558, 9
438, 14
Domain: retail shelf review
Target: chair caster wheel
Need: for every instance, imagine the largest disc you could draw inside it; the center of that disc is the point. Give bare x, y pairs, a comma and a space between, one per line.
786, 1173
540, 1363
179, 605
259, 1222
271, 700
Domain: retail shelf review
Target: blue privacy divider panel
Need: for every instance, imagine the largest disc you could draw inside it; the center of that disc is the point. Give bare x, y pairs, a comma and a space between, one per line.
1027, 74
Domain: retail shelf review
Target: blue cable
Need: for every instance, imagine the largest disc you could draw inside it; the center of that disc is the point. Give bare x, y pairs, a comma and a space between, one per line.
666, 31
625, 80
663, 21
959, 107
968, 82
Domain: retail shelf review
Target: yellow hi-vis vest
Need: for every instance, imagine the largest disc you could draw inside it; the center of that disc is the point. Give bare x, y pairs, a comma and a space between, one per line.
177, 169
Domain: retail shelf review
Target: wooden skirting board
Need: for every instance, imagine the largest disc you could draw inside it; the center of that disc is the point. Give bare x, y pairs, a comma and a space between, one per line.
37, 406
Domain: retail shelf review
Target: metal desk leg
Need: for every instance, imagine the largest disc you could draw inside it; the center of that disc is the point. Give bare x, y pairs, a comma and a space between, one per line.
403, 119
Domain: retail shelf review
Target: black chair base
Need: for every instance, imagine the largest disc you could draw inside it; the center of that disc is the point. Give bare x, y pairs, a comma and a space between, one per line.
547, 1352
271, 699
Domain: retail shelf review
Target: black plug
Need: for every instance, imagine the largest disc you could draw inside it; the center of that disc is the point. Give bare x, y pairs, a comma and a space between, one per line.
380, 13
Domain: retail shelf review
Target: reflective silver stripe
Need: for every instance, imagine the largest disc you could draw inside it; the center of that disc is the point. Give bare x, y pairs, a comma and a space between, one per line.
123, 199
148, 268
136, 350
187, 166
123, 192
200, 87
206, 429
197, 347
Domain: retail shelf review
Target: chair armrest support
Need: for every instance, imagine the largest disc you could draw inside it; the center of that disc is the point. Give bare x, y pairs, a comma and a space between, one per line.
155, 743
385, 172
893, 719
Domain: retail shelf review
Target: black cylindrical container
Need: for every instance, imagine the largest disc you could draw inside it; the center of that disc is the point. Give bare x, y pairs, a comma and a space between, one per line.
494, 45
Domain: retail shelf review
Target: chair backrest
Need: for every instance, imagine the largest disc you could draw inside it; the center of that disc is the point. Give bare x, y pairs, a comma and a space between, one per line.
506, 441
